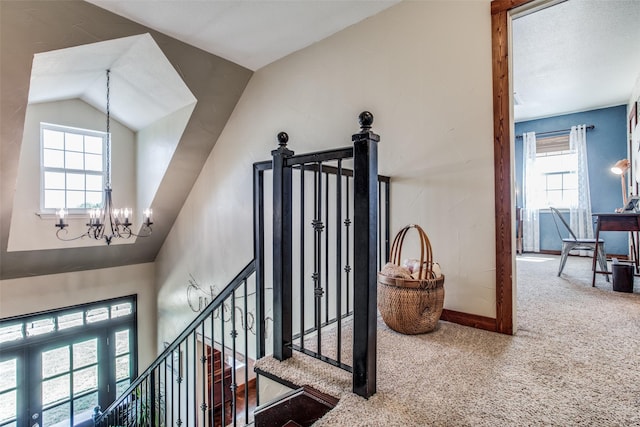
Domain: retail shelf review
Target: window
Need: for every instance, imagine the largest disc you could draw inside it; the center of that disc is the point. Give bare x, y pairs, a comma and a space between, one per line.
556, 169
74, 358
73, 168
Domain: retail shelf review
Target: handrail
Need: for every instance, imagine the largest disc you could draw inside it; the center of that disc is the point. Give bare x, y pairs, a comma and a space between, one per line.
217, 303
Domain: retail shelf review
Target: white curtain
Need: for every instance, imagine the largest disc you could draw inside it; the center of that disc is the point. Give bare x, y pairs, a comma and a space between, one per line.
580, 215
530, 211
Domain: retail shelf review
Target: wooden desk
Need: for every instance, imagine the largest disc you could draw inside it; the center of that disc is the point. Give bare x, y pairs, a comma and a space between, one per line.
629, 222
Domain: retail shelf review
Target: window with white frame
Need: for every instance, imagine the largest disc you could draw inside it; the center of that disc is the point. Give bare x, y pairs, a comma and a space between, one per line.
556, 169
72, 168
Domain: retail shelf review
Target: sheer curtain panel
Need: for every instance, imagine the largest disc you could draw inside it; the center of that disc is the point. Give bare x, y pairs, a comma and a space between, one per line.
530, 211
580, 215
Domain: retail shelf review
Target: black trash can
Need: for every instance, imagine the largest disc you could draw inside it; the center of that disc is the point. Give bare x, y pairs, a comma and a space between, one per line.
622, 277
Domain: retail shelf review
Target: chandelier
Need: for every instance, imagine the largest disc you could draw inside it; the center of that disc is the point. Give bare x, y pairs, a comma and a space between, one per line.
107, 223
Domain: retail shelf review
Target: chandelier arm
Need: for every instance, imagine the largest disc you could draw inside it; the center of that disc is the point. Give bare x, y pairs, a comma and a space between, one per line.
60, 237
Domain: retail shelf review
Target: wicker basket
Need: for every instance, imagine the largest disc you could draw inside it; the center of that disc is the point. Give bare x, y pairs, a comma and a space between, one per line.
411, 306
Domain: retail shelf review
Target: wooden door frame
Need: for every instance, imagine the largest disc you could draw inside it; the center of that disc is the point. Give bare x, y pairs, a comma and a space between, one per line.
500, 10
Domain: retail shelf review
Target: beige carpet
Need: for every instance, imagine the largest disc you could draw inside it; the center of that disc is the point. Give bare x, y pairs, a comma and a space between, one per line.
575, 360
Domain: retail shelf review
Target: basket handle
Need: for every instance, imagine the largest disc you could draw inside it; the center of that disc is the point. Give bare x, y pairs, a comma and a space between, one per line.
426, 254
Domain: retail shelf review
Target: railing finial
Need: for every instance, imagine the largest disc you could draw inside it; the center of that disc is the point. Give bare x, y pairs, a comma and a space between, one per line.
282, 149
283, 138
366, 120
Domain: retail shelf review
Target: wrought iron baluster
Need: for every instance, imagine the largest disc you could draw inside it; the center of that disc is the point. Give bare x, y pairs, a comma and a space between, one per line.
234, 336
339, 259
246, 355
347, 266
205, 379
212, 368
326, 248
223, 388
317, 275
179, 382
302, 256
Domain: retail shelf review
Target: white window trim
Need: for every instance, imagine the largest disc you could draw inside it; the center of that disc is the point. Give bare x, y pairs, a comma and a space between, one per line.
79, 213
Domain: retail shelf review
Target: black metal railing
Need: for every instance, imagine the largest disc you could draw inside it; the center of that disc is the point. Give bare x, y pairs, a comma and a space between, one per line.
326, 221
204, 377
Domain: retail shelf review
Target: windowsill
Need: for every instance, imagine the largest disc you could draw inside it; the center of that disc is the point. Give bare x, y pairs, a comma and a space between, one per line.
53, 215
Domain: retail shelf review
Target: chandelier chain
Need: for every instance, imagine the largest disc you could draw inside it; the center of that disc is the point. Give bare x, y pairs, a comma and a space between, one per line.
108, 153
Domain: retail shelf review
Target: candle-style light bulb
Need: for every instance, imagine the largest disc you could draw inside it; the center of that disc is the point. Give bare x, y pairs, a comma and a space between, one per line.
147, 217
61, 214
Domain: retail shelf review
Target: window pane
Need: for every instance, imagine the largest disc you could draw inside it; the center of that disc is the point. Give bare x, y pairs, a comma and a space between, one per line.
554, 182
74, 142
40, 326
8, 406
554, 198
53, 158
55, 361
74, 160
85, 379
85, 353
8, 375
94, 199
122, 367
54, 199
93, 144
571, 198
54, 180
70, 320
123, 309
122, 342
83, 407
75, 181
570, 181
94, 182
121, 387
52, 139
55, 390
75, 200
11, 333
60, 416
97, 314
93, 162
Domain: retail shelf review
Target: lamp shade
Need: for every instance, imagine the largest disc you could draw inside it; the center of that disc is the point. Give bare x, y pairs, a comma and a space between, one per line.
620, 167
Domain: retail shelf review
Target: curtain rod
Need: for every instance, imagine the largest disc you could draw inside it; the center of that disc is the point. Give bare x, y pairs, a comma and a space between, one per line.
590, 127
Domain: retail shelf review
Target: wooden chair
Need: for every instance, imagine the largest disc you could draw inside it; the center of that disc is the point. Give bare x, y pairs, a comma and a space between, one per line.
574, 243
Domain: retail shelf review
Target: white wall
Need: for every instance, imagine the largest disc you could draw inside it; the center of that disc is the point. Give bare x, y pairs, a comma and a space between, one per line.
40, 293
424, 70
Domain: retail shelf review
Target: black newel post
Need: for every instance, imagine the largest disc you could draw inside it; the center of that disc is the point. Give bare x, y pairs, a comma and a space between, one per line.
282, 250
365, 232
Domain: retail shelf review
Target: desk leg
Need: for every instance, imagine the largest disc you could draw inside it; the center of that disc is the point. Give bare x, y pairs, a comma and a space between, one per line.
595, 256
634, 249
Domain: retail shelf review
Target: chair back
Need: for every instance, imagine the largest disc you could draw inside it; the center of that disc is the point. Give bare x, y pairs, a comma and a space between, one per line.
558, 218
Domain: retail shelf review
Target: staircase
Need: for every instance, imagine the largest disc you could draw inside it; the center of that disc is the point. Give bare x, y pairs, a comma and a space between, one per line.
301, 407
206, 376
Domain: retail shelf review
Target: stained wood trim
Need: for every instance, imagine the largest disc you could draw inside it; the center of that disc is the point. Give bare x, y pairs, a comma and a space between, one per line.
466, 319
498, 6
502, 161
502, 171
